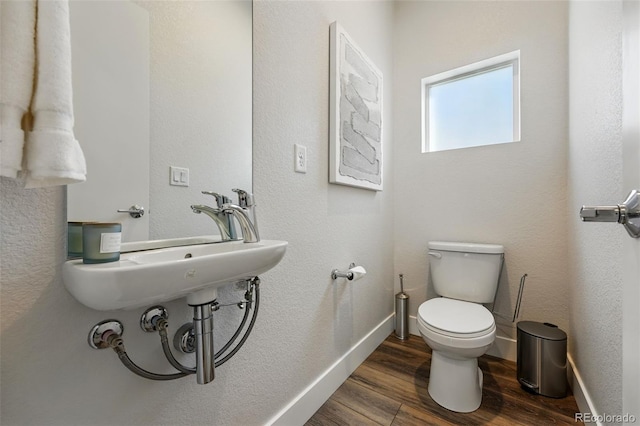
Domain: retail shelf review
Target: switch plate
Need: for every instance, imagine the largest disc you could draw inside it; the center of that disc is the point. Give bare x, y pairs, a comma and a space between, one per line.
178, 176
300, 158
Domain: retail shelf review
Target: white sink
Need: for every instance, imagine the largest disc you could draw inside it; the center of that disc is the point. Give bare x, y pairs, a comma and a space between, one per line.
169, 242
148, 277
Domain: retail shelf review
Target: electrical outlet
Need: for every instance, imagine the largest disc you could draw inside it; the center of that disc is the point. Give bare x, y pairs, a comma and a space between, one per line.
300, 158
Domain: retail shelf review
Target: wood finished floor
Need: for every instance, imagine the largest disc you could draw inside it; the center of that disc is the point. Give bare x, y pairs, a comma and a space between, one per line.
390, 388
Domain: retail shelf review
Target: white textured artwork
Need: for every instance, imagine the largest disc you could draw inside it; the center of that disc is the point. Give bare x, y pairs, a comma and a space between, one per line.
356, 115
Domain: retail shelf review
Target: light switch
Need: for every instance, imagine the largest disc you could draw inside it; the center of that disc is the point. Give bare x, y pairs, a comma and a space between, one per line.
178, 176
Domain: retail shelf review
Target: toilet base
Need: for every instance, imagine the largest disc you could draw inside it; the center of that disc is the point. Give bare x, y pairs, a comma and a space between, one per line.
455, 383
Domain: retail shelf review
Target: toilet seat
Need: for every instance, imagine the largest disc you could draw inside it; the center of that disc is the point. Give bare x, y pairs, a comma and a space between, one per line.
455, 318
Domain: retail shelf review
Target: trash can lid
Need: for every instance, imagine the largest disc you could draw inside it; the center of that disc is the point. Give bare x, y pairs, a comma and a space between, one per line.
542, 330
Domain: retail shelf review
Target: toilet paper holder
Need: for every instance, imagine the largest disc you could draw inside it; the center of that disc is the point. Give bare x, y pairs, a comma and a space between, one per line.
354, 272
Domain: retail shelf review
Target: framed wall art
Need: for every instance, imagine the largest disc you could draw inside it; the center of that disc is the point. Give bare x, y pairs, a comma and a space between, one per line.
355, 122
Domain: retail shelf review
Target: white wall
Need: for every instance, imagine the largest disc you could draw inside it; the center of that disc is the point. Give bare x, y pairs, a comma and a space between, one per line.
49, 375
595, 177
327, 226
511, 194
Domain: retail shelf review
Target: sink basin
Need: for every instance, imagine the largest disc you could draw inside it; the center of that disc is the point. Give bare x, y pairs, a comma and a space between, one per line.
169, 242
148, 277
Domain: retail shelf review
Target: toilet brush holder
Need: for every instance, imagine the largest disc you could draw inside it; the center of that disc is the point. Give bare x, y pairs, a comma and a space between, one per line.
402, 312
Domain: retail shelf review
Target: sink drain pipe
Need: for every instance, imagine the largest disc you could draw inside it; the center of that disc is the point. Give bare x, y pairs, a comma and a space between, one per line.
203, 330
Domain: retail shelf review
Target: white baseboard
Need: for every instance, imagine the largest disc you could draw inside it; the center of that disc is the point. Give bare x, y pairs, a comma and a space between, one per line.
413, 326
585, 404
505, 348
304, 405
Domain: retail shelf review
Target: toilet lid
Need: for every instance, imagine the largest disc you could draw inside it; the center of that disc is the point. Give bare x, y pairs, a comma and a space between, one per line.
456, 316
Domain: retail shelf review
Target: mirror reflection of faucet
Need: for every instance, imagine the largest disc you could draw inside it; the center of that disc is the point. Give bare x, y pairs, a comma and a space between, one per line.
222, 220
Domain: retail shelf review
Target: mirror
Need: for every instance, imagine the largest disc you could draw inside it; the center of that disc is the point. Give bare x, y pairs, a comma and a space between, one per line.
162, 102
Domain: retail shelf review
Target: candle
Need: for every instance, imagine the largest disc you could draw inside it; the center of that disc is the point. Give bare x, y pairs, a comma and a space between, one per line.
74, 239
101, 242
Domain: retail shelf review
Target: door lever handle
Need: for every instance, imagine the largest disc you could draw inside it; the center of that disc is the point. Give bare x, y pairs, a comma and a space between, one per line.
627, 214
600, 213
134, 211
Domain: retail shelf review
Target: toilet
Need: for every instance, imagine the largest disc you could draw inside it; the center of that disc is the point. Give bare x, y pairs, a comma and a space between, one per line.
456, 326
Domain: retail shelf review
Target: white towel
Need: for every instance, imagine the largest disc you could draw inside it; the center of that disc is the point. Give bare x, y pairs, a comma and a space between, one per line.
53, 155
17, 53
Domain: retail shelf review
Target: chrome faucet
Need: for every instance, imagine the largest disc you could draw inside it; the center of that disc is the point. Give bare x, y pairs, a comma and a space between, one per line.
221, 219
220, 199
249, 231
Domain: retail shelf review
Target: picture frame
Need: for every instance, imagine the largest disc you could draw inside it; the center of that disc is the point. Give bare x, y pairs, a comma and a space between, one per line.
355, 122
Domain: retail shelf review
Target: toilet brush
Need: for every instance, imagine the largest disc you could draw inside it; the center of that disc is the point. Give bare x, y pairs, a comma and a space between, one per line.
402, 312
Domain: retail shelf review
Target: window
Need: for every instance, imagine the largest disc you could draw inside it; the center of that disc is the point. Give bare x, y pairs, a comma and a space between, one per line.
475, 105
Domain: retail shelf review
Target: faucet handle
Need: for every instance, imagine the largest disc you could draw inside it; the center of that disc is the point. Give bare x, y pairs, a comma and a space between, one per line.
220, 199
245, 199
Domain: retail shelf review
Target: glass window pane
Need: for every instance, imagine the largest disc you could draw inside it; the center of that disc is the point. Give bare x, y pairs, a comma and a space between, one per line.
472, 111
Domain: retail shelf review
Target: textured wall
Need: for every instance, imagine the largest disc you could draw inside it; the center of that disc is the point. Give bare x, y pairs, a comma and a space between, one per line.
511, 194
595, 177
49, 375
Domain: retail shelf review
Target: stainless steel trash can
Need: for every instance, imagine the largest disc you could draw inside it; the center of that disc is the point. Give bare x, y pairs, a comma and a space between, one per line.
542, 358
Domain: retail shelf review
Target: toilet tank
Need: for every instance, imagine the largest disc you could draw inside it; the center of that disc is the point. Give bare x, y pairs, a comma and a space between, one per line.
465, 271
